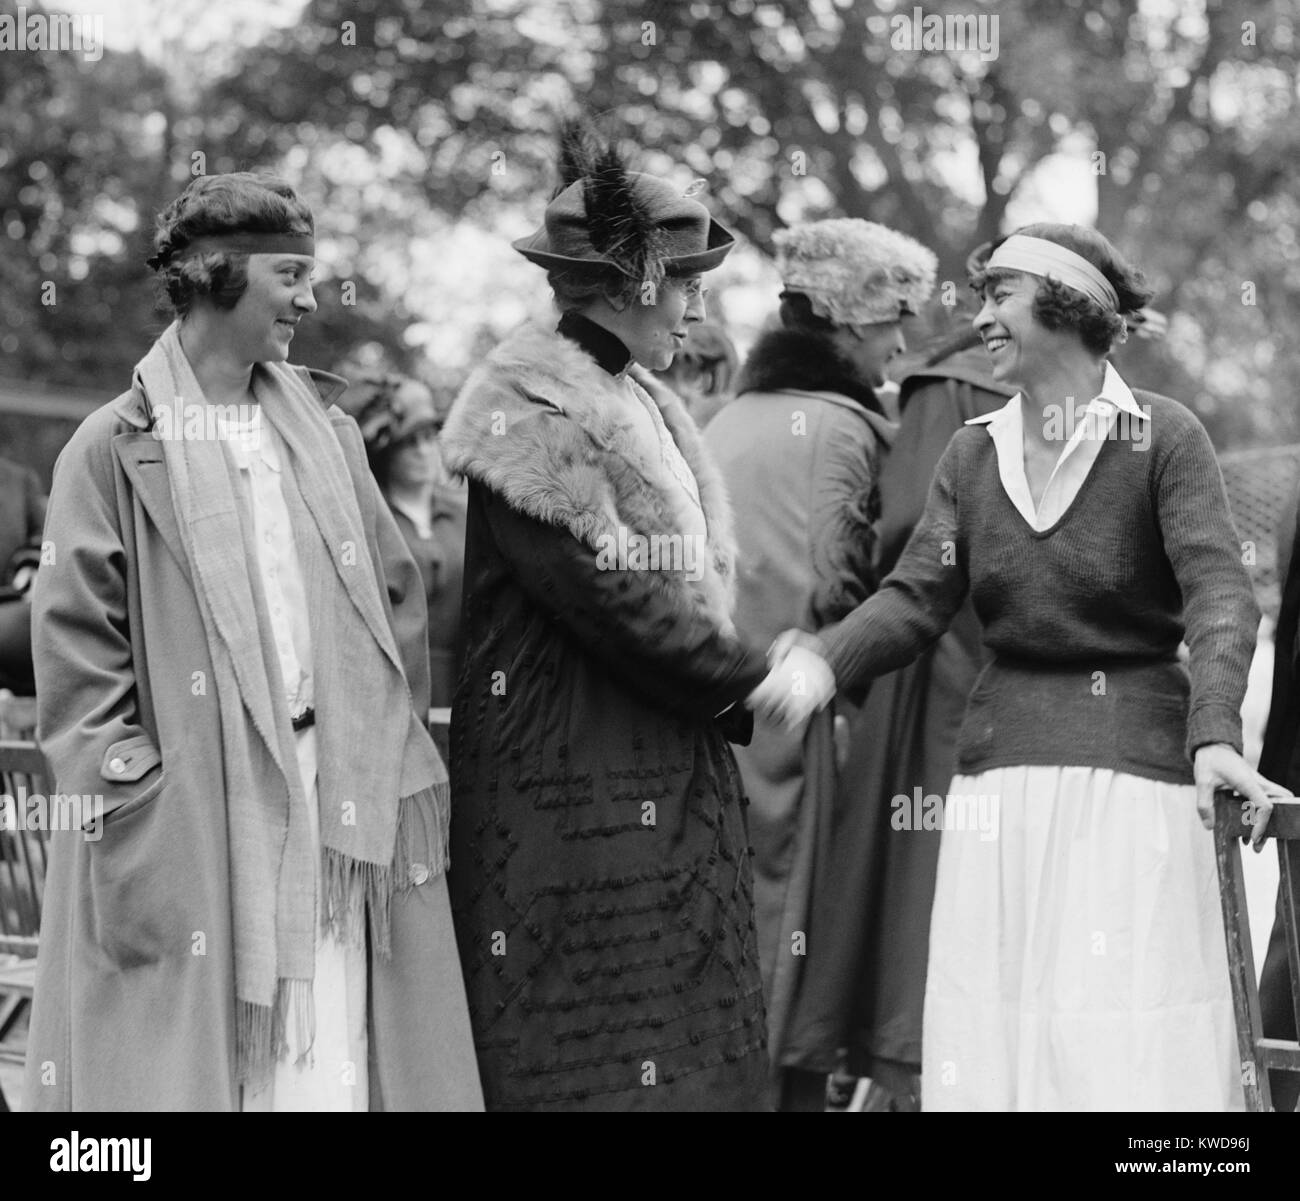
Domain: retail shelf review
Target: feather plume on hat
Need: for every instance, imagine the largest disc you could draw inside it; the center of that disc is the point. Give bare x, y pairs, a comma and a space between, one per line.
604, 220
619, 224
855, 272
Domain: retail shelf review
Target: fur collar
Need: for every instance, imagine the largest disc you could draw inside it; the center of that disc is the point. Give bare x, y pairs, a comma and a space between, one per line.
536, 424
784, 358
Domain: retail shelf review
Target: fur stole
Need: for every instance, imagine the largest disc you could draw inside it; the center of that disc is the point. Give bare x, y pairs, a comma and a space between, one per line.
537, 424
784, 358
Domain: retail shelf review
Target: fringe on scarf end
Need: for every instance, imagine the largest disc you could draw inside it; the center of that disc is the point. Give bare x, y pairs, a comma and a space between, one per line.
355, 890
261, 1031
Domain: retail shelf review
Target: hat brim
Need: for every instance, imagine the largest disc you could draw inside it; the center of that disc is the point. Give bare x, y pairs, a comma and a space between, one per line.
535, 248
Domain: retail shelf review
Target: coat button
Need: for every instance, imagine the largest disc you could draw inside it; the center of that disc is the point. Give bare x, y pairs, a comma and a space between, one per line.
117, 766
419, 874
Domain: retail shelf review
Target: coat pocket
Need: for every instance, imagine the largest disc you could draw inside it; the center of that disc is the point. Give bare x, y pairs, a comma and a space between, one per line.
127, 762
133, 887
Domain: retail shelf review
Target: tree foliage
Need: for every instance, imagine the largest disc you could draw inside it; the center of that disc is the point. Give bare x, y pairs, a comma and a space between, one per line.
401, 118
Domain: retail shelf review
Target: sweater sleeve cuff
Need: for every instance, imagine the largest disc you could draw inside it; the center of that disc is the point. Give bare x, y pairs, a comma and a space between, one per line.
836, 646
810, 642
1213, 721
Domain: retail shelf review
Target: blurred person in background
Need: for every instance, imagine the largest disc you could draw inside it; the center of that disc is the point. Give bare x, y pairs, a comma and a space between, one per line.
866, 968
231, 659
704, 371
602, 885
1280, 760
800, 450
400, 420
22, 518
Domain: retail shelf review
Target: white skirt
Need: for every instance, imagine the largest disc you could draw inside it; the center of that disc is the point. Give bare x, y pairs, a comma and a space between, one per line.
1077, 956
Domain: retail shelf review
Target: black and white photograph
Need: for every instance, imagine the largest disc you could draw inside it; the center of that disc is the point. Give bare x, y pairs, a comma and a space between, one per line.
601, 556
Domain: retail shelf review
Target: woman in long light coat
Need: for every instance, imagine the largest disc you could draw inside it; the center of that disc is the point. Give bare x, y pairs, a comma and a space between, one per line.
136, 1003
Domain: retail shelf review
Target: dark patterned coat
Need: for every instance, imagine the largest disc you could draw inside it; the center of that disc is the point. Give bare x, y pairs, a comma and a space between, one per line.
601, 880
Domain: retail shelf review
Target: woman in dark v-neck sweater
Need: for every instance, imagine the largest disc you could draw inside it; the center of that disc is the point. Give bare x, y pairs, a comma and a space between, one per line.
1077, 958
1145, 552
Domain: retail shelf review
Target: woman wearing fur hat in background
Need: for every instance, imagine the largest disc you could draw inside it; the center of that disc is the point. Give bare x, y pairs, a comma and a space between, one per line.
1077, 957
602, 890
799, 449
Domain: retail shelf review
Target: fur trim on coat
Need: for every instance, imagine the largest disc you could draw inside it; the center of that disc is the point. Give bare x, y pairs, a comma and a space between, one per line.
537, 425
811, 362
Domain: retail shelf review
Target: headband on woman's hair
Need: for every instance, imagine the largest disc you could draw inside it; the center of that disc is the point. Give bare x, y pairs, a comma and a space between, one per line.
240, 242
1038, 256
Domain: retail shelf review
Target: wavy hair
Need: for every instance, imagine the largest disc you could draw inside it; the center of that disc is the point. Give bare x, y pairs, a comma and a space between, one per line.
1058, 307
220, 204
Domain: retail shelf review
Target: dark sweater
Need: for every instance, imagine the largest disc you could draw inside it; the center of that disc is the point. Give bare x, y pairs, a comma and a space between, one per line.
1084, 618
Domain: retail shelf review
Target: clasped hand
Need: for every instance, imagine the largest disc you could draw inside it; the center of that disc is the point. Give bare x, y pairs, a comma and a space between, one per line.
798, 683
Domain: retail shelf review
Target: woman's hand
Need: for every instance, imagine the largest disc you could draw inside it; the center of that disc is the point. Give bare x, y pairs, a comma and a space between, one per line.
781, 645
1217, 765
799, 683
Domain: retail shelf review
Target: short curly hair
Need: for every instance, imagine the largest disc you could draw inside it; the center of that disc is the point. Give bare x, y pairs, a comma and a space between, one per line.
1058, 307
575, 289
217, 204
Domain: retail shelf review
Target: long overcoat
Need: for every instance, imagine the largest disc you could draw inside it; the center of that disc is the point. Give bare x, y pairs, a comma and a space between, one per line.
801, 463
135, 998
600, 877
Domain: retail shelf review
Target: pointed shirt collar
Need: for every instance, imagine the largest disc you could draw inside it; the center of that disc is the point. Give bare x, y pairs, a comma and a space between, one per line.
1114, 391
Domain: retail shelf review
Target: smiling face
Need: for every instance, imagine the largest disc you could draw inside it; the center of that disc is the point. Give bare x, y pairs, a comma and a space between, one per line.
1018, 344
654, 333
261, 325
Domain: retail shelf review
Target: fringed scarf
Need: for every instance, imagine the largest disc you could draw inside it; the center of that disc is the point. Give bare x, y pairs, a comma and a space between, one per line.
383, 795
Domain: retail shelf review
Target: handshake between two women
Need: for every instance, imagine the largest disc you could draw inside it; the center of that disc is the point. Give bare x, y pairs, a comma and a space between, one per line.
798, 683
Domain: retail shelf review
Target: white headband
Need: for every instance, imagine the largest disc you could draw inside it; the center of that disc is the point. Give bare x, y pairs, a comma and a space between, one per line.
1038, 256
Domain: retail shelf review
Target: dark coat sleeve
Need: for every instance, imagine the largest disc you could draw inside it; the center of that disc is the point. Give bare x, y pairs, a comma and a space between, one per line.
1277, 760
846, 504
916, 602
672, 653
931, 417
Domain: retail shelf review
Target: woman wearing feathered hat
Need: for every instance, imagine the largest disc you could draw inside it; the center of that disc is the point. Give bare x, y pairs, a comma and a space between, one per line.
799, 450
603, 889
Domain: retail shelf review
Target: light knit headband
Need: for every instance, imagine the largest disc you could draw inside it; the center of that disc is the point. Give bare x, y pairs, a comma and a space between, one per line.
1038, 256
